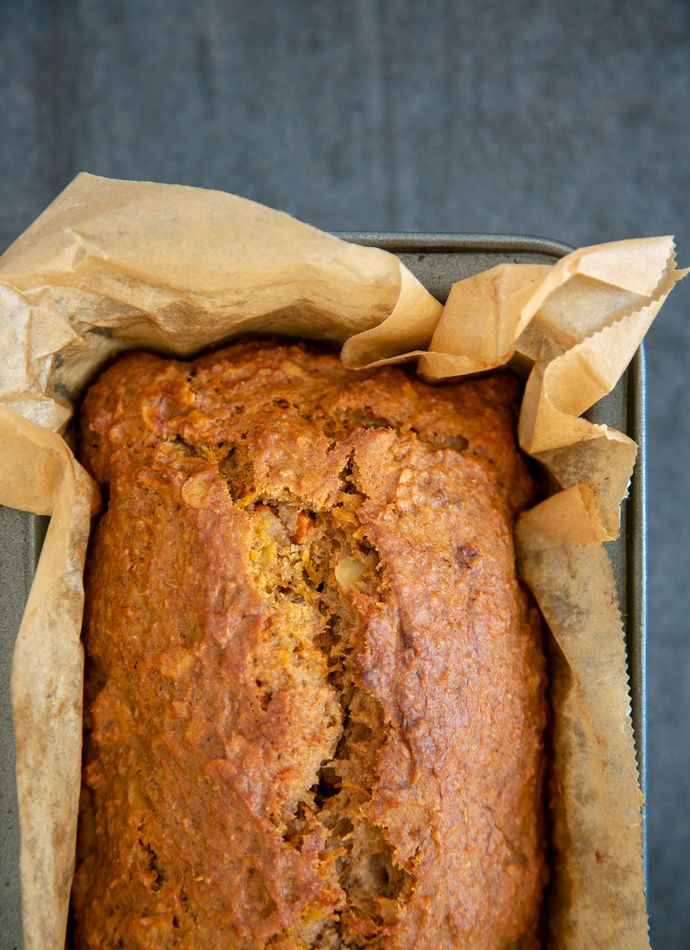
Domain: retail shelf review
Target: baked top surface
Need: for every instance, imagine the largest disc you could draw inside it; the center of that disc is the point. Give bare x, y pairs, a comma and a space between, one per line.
315, 693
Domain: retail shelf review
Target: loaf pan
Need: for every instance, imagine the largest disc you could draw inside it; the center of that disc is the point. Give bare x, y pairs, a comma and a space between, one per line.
438, 260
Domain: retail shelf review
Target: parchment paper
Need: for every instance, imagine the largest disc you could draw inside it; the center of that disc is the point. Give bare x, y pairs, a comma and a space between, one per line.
116, 265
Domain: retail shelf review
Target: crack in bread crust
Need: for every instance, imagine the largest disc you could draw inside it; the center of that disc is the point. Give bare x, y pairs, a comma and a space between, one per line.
324, 564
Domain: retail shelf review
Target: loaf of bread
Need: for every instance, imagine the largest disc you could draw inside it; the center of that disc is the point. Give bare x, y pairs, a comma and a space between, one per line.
314, 701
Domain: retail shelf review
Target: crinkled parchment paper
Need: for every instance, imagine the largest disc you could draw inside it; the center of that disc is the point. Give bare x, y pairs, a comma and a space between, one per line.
116, 265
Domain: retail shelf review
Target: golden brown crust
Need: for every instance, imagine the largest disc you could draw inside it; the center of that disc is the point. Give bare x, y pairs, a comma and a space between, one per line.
315, 691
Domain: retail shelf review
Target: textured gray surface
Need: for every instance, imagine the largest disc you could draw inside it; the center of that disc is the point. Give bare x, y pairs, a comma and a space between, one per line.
542, 117
14, 582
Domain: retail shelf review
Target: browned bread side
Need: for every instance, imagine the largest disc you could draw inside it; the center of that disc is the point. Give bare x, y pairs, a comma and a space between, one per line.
315, 691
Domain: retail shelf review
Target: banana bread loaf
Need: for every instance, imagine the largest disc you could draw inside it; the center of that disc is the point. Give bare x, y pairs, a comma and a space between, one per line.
314, 702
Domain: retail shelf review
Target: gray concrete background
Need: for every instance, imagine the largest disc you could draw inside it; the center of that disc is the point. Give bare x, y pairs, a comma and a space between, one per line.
539, 116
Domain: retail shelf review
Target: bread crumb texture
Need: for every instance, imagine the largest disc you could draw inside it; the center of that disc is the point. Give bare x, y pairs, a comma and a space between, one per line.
315, 689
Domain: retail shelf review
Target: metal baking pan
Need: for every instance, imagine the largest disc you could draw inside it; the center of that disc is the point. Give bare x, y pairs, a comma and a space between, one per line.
438, 260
